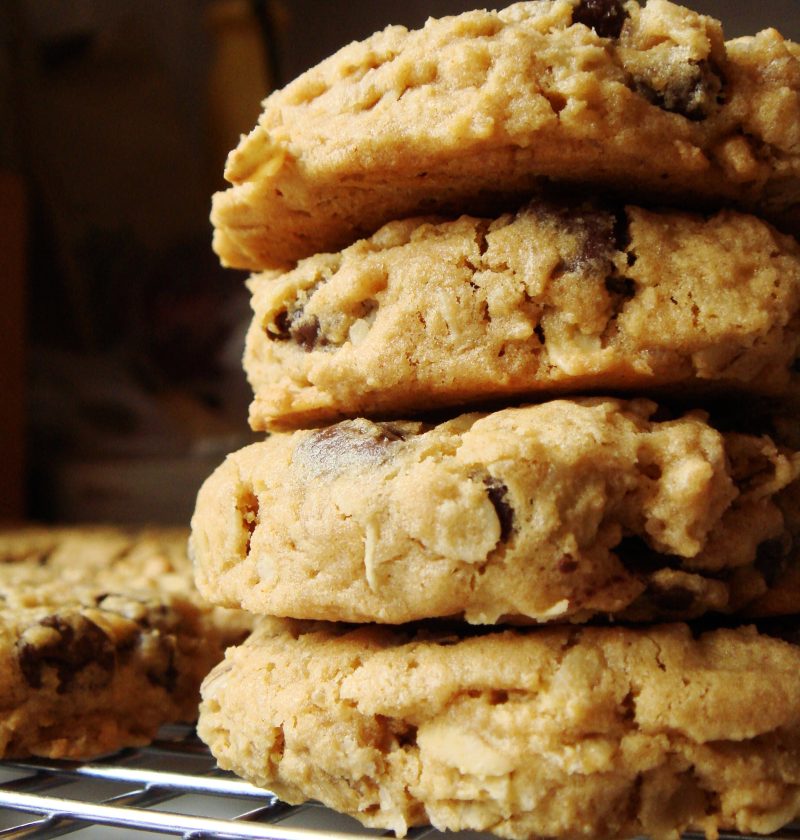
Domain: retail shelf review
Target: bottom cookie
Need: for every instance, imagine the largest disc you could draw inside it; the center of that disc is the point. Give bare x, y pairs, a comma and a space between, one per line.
103, 639
560, 732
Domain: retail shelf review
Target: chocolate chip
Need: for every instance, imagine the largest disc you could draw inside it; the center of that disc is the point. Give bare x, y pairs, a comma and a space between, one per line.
770, 560
497, 492
693, 95
600, 239
293, 326
637, 556
77, 643
673, 599
595, 243
306, 334
282, 327
346, 444
593, 232
606, 17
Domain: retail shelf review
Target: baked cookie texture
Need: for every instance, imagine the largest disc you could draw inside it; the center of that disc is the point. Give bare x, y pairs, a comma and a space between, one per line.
103, 639
553, 512
551, 732
556, 297
473, 110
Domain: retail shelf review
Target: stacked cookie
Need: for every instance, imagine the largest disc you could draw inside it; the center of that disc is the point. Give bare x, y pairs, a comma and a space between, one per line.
532, 612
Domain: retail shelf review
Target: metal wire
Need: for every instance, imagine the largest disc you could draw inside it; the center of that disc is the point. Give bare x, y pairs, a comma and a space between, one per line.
46, 798
125, 793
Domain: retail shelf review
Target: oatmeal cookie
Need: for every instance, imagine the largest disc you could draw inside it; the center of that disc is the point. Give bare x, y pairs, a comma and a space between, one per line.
546, 732
103, 638
553, 298
473, 110
560, 511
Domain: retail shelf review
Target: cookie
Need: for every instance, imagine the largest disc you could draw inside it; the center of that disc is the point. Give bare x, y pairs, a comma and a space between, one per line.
474, 110
103, 639
550, 732
559, 511
552, 298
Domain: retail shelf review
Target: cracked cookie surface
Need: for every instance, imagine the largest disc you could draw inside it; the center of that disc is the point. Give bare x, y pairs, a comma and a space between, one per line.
103, 638
475, 109
559, 511
549, 732
555, 297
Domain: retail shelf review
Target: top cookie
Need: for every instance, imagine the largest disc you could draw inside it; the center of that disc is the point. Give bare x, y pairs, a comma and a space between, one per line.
474, 109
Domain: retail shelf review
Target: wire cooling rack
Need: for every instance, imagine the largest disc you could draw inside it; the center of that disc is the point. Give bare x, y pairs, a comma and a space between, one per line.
172, 788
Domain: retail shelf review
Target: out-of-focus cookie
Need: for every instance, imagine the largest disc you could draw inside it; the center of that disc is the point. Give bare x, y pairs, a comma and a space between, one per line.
103, 638
550, 732
559, 511
476, 109
553, 298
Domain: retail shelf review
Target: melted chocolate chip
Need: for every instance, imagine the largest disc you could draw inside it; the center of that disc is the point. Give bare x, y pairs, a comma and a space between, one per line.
692, 96
595, 238
282, 325
306, 334
292, 325
497, 492
600, 238
346, 444
596, 243
606, 17
77, 643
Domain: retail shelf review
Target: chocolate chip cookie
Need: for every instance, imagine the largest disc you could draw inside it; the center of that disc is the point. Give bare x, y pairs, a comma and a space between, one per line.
102, 639
560, 732
555, 512
556, 297
470, 111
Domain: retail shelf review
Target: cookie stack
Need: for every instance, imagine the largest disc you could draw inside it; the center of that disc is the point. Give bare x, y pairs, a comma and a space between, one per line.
530, 480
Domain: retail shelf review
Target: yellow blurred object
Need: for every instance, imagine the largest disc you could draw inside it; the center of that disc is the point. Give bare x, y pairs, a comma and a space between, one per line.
239, 77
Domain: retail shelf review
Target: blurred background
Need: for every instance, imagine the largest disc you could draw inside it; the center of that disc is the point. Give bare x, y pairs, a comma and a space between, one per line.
121, 385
